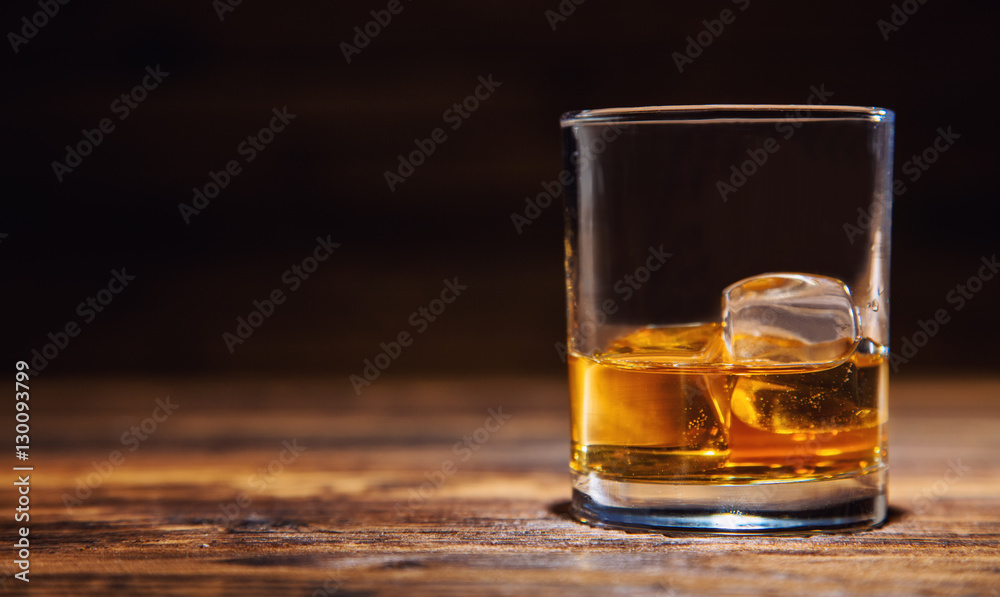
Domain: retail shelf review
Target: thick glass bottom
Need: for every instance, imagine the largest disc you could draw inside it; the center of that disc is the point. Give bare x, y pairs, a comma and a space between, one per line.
849, 503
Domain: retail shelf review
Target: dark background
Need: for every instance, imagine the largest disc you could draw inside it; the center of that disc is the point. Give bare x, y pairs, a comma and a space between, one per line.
452, 217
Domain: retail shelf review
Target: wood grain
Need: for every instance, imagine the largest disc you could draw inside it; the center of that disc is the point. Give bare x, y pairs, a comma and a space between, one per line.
184, 514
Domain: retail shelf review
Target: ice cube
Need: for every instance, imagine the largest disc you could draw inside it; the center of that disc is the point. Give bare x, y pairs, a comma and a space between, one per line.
840, 398
788, 318
656, 345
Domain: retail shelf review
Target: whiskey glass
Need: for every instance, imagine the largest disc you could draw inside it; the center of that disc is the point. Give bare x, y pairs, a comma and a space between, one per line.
727, 278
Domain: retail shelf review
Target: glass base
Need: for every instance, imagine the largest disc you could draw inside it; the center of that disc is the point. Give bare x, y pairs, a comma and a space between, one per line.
840, 504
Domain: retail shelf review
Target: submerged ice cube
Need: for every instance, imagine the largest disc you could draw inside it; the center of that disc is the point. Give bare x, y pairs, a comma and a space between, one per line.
788, 318
654, 345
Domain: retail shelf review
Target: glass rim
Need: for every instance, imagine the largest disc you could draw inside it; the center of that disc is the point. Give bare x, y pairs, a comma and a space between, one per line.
695, 113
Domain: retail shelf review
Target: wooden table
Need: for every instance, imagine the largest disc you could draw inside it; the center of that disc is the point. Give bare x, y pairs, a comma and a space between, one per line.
210, 499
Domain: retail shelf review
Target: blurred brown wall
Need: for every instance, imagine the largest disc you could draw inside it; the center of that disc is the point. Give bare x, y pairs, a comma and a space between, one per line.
324, 172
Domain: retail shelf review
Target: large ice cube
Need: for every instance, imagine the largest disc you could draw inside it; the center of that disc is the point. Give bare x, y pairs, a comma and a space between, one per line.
788, 318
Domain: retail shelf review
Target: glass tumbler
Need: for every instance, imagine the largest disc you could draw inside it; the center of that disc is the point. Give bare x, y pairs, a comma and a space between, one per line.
727, 278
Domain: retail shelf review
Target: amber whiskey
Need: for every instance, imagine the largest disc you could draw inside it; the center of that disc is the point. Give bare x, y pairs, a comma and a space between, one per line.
666, 404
